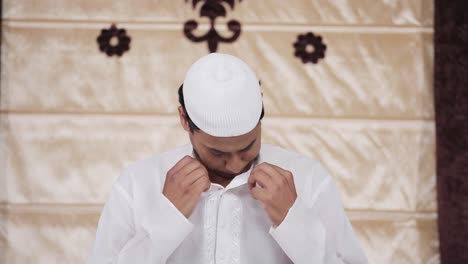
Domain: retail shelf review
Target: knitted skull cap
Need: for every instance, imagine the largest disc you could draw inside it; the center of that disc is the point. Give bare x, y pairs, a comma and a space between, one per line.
222, 95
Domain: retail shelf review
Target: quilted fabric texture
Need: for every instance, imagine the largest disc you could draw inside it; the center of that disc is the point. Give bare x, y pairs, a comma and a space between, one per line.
73, 117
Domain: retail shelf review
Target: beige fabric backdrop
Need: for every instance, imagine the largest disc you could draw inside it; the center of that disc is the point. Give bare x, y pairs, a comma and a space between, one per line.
72, 118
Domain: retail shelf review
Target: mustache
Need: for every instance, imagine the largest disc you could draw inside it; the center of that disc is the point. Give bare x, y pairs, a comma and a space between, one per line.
228, 175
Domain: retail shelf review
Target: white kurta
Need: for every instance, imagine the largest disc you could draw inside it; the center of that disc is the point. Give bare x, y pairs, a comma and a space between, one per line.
139, 225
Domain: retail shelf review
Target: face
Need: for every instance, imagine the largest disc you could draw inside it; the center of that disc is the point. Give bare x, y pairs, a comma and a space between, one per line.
224, 157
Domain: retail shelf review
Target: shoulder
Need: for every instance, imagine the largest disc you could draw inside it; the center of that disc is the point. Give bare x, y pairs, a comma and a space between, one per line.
152, 170
287, 158
163, 159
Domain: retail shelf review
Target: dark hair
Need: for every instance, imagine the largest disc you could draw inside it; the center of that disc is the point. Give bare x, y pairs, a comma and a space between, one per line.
192, 125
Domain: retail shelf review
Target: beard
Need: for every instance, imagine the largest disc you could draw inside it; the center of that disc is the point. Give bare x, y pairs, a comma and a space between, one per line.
222, 174
227, 175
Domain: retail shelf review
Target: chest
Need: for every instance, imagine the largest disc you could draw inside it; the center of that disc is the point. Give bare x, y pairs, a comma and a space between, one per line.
229, 227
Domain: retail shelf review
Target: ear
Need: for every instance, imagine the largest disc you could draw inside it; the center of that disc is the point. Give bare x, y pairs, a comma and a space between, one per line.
183, 119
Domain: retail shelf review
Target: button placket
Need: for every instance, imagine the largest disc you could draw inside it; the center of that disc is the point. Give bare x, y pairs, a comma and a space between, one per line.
210, 228
228, 232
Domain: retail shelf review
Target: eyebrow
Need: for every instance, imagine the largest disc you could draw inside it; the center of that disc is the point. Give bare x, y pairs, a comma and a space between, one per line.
244, 149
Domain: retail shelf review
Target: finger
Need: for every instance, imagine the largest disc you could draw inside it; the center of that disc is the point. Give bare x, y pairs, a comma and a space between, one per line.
279, 176
259, 194
187, 169
278, 169
202, 184
259, 177
288, 176
275, 176
251, 181
193, 176
181, 163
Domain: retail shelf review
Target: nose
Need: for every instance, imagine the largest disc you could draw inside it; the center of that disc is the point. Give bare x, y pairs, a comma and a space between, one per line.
234, 164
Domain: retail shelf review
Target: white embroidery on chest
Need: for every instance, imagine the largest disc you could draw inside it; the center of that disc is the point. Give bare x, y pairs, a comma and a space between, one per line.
222, 228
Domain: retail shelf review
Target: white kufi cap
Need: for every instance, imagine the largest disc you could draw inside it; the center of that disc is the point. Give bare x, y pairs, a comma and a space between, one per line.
222, 95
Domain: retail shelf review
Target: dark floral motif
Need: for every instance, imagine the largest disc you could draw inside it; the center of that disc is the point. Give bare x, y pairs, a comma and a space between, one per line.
315, 43
212, 9
114, 41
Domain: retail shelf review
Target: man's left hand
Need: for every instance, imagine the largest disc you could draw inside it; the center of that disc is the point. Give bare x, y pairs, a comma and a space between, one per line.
274, 188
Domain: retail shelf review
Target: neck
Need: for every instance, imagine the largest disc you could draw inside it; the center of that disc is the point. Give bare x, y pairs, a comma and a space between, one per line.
214, 178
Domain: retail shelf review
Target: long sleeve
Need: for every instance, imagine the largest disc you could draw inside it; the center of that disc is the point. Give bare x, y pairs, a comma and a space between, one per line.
317, 230
120, 241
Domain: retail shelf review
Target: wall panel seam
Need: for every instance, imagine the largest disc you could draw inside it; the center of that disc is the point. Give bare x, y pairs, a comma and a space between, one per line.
135, 115
171, 26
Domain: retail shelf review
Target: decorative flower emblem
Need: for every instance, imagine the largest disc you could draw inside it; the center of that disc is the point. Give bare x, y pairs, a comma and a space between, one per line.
113, 41
309, 48
212, 9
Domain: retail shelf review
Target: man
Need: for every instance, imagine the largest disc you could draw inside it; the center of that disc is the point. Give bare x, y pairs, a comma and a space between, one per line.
225, 198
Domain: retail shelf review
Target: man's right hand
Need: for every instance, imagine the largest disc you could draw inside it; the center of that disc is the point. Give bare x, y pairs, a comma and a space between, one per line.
184, 184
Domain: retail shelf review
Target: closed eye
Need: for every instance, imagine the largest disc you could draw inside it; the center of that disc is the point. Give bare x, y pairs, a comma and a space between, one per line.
216, 152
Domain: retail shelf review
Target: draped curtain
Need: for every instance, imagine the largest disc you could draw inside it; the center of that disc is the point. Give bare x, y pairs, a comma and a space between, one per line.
451, 104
